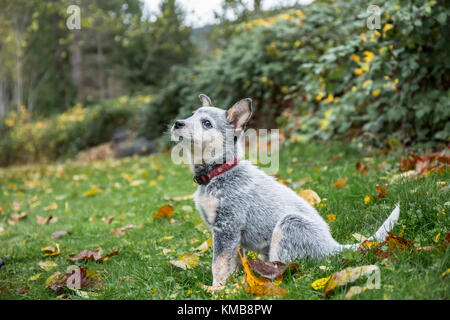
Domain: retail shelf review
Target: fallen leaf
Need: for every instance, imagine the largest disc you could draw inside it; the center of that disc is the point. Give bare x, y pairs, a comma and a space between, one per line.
204, 246
94, 255
44, 220
348, 275
47, 265
52, 206
108, 220
259, 286
320, 283
361, 167
367, 199
164, 212
340, 183
331, 217
93, 191
58, 234
51, 251
269, 270
121, 231
382, 191
186, 261
397, 243
76, 278
367, 244
16, 217
310, 196
359, 237
381, 165
35, 277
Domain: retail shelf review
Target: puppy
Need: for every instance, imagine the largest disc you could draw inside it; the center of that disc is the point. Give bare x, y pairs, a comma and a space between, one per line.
244, 207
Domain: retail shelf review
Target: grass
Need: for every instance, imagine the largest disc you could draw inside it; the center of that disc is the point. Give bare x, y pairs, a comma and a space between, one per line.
142, 270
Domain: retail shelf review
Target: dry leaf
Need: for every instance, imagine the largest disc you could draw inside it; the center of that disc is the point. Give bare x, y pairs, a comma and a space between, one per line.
331, 217
52, 206
164, 212
93, 192
108, 220
121, 231
359, 237
348, 275
259, 286
16, 217
51, 251
47, 265
340, 183
204, 246
186, 261
76, 278
35, 277
58, 234
94, 255
382, 191
310, 196
269, 270
43, 220
361, 167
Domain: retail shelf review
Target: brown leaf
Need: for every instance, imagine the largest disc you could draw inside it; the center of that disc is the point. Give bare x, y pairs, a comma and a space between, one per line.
77, 278
340, 183
94, 255
397, 243
310, 196
361, 167
16, 217
381, 165
164, 212
44, 220
121, 231
58, 234
382, 191
109, 219
269, 270
52, 206
259, 286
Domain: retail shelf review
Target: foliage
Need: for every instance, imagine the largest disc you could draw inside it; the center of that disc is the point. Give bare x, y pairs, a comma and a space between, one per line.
328, 75
67, 133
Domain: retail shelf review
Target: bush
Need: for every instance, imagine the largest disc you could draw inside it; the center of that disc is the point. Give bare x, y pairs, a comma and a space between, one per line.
328, 75
67, 133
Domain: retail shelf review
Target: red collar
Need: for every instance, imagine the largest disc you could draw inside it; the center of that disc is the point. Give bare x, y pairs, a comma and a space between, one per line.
204, 179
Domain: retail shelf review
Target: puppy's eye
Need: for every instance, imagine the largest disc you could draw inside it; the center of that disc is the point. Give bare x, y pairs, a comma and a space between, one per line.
206, 124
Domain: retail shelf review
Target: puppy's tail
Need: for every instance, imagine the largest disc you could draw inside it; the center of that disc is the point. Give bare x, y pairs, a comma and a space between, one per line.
382, 232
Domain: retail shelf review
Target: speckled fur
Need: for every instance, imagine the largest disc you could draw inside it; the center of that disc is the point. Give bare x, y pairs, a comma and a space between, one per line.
253, 210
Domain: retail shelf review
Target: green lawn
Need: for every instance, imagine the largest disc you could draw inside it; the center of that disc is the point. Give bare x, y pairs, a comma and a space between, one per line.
134, 189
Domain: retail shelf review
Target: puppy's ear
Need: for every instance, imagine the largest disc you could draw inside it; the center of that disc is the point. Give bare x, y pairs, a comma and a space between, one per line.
206, 101
239, 114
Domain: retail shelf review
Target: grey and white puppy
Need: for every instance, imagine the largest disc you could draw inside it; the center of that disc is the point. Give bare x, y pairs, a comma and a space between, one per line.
244, 207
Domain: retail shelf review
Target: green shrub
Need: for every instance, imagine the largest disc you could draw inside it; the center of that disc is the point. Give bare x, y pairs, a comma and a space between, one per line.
328, 75
67, 133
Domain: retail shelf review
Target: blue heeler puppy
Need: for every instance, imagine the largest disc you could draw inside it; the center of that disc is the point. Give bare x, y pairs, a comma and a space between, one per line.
243, 206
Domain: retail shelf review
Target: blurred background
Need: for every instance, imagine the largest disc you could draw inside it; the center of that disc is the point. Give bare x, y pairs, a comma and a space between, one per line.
314, 69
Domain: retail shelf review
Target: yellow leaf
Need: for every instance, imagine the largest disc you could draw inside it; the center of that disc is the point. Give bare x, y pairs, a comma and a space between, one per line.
320, 283
52, 279
367, 199
93, 191
376, 93
310, 196
152, 183
47, 265
348, 275
437, 237
186, 261
331, 217
35, 277
204, 246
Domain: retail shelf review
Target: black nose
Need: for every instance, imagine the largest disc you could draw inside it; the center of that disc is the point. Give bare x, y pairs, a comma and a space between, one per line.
178, 124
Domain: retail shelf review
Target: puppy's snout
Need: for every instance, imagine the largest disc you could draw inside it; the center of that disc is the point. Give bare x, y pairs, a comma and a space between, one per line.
179, 124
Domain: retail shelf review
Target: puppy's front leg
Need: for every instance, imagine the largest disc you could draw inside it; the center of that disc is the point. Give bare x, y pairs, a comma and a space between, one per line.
225, 245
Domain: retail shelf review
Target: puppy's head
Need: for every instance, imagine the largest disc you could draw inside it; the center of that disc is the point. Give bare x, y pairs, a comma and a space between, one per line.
216, 131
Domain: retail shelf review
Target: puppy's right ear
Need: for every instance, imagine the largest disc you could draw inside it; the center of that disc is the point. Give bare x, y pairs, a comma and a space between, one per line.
239, 114
206, 101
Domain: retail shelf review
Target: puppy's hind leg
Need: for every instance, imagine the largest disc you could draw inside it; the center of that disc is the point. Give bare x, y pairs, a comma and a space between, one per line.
296, 236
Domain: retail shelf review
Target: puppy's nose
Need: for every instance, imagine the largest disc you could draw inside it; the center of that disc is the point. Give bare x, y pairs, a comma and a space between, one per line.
178, 124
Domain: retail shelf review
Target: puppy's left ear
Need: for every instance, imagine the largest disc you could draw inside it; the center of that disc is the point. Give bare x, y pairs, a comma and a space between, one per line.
239, 114
206, 101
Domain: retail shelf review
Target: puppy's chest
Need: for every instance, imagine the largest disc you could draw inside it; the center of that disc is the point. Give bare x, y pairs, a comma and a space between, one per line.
207, 204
